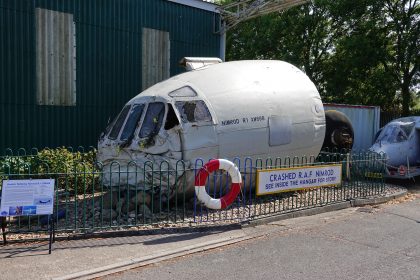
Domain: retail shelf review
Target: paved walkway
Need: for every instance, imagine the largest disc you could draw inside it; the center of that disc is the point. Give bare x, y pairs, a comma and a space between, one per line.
70, 257
83, 258
366, 243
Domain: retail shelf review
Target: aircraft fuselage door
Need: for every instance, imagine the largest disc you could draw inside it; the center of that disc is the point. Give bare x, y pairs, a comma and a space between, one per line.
199, 134
280, 130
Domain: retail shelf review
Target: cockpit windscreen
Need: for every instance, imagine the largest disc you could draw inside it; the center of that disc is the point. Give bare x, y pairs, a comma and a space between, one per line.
395, 133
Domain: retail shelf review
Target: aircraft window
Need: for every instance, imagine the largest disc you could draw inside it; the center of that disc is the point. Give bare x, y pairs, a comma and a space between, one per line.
118, 123
392, 134
401, 136
183, 92
171, 118
108, 127
132, 122
193, 111
152, 120
407, 127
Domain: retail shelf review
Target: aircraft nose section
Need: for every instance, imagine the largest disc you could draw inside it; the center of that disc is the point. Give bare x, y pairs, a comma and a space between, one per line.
393, 155
376, 148
379, 149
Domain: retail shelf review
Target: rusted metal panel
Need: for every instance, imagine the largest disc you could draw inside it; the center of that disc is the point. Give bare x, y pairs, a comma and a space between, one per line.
365, 121
155, 56
55, 58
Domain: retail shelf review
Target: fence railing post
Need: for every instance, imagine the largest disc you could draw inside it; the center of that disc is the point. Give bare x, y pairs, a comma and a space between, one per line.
159, 192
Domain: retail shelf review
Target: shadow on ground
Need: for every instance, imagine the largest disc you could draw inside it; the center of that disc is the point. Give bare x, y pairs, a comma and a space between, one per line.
412, 185
36, 249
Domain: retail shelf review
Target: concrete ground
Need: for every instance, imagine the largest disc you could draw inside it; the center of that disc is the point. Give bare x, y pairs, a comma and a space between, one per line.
84, 259
381, 243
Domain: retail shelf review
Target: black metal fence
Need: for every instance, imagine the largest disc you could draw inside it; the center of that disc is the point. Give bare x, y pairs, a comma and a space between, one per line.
91, 196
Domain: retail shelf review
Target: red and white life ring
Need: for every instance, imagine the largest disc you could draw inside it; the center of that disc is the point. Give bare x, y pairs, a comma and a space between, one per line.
201, 178
402, 170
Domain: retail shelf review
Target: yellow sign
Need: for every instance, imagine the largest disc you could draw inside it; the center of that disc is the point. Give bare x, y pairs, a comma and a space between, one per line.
271, 181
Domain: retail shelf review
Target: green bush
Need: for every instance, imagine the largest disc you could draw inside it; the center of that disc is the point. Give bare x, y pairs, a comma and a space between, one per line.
73, 171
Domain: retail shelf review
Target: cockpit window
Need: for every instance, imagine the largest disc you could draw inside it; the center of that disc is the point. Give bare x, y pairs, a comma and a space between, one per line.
393, 134
183, 92
132, 122
153, 120
118, 123
193, 111
171, 118
407, 127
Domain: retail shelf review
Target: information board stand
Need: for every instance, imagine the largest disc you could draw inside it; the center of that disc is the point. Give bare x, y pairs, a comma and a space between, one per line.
3, 229
52, 232
31, 197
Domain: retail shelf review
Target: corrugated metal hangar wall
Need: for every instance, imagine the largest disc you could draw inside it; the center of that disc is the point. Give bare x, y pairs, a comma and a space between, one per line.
67, 66
365, 122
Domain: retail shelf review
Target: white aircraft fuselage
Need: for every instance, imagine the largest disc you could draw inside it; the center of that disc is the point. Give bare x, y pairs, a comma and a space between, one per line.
255, 109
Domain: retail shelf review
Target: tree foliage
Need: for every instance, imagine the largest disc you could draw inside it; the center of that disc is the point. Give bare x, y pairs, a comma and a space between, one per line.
355, 51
